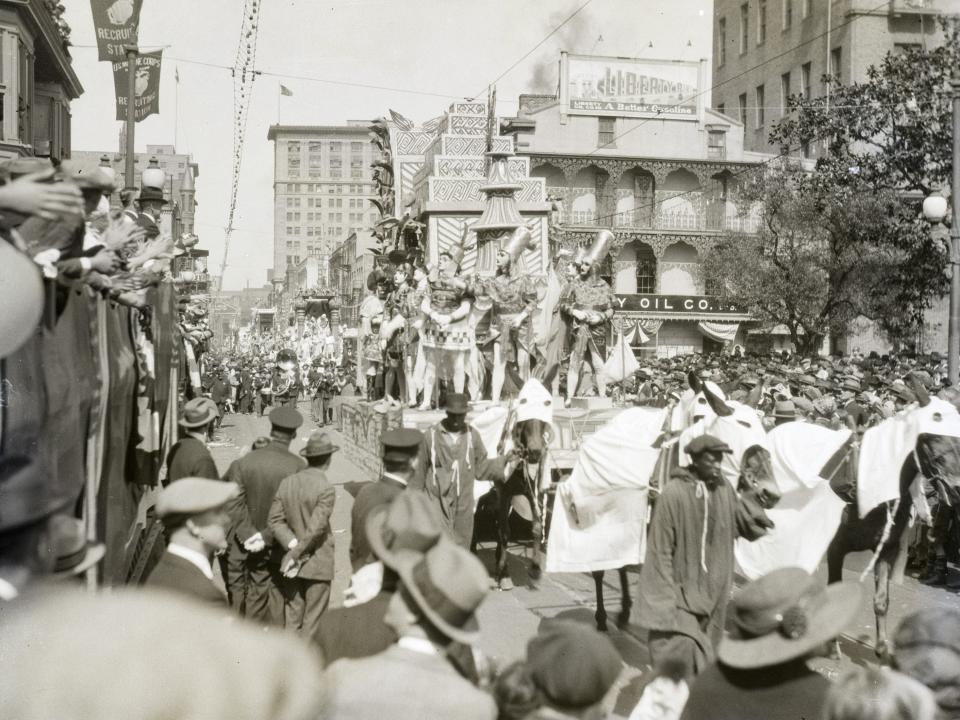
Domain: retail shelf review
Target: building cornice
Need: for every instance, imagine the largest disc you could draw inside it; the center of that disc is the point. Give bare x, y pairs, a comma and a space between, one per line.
276, 130
39, 17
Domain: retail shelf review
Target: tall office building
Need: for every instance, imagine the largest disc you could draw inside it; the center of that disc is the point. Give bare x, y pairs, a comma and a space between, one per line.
322, 184
767, 50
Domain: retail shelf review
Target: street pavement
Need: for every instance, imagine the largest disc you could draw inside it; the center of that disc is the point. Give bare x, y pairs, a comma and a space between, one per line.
510, 619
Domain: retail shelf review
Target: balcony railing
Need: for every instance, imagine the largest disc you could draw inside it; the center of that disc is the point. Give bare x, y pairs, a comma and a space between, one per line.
667, 220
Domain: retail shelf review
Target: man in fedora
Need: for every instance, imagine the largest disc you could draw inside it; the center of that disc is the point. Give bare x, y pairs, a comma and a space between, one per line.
73, 552
300, 522
435, 607
401, 448
150, 203
194, 515
254, 578
409, 523
784, 411
189, 457
779, 621
686, 579
454, 457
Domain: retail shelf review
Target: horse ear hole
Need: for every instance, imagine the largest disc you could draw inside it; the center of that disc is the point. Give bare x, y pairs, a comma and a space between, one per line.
522, 401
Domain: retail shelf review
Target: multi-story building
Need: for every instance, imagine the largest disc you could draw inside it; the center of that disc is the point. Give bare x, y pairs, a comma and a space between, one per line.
37, 81
350, 264
322, 185
767, 50
629, 145
179, 187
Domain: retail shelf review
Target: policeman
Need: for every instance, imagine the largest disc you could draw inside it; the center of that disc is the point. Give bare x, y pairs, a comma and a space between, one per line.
253, 564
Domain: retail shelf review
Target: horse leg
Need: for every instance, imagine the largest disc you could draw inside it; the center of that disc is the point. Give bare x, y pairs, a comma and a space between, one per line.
503, 538
601, 615
536, 562
881, 603
623, 619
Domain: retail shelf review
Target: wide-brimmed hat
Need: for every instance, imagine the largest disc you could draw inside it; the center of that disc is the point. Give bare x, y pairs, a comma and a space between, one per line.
573, 664
410, 525
73, 552
783, 616
456, 404
447, 583
151, 193
198, 412
319, 444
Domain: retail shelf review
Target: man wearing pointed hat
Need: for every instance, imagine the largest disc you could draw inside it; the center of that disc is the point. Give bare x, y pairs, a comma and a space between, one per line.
300, 521
587, 304
189, 457
433, 611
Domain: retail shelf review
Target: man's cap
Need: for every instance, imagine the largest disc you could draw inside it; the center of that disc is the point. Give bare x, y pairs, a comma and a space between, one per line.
410, 523
573, 664
803, 404
401, 444
934, 626
456, 404
448, 584
192, 496
807, 380
785, 410
151, 193
319, 444
851, 383
785, 615
73, 552
285, 418
707, 443
198, 412
903, 393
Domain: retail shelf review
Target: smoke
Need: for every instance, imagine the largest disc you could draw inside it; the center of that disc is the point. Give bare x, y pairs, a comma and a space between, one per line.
575, 36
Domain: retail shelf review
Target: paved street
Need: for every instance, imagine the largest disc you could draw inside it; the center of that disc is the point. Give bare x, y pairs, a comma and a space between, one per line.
509, 619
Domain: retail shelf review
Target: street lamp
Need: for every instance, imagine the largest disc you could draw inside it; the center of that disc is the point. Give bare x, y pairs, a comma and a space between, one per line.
935, 208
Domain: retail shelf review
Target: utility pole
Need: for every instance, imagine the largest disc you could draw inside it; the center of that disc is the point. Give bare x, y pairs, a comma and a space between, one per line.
130, 167
953, 334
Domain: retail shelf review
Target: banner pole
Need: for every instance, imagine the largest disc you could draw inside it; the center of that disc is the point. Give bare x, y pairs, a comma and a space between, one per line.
129, 167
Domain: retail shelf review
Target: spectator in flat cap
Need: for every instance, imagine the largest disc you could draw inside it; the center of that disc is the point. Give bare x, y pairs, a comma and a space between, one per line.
926, 646
569, 670
145, 654
401, 449
686, 580
300, 521
189, 457
878, 693
440, 592
253, 569
779, 621
409, 523
193, 512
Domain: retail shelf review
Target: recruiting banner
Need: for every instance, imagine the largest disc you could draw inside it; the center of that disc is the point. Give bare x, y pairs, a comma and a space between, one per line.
627, 87
146, 86
116, 23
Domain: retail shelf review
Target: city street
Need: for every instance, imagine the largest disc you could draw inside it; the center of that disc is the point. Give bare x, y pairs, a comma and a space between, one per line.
510, 618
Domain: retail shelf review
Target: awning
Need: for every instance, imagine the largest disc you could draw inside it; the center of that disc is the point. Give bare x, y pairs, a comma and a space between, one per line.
719, 331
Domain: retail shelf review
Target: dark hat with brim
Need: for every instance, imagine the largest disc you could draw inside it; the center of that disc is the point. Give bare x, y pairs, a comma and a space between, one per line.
785, 615
456, 404
319, 444
73, 552
409, 525
198, 412
401, 444
151, 194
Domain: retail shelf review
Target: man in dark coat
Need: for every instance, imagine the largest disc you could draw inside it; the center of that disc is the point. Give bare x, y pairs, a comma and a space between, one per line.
189, 457
219, 393
253, 581
687, 576
246, 391
400, 460
193, 511
300, 522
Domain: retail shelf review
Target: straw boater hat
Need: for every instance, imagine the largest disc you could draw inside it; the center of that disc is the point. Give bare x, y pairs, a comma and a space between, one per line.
783, 616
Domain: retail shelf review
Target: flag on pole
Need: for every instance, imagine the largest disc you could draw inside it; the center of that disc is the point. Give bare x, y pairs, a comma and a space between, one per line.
284, 90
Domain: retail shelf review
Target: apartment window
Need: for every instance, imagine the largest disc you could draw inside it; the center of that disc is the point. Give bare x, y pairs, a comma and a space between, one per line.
335, 147
744, 27
761, 22
309, 202
289, 216
338, 202
805, 73
289, 230
336, 173
717, 144
721, 108
784, 91
722, 42
760, 104
742, 100
787, 14
835, 57
804, 9
293, 148
314, 147
356, 147
606, 128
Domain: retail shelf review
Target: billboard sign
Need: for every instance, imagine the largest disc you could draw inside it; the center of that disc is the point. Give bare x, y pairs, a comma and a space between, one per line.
628, 87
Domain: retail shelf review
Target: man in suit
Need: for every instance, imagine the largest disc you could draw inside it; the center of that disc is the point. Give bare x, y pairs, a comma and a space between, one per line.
253, 561
408, 524
190, 456
440, 593
400, 458
300, 523
193, 511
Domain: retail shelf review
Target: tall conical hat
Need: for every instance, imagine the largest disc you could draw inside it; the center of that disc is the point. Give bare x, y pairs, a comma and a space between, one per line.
534, 402
600, 248
520, 241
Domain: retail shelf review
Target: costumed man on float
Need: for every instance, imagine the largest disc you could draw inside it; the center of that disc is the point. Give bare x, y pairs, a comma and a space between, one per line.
587, 305
393, 332
371, 318
447, 338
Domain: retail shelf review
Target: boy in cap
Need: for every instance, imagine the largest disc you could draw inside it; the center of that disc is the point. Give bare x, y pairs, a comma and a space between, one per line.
193, 512
189, 457
686, 580
253, 576
300, 521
